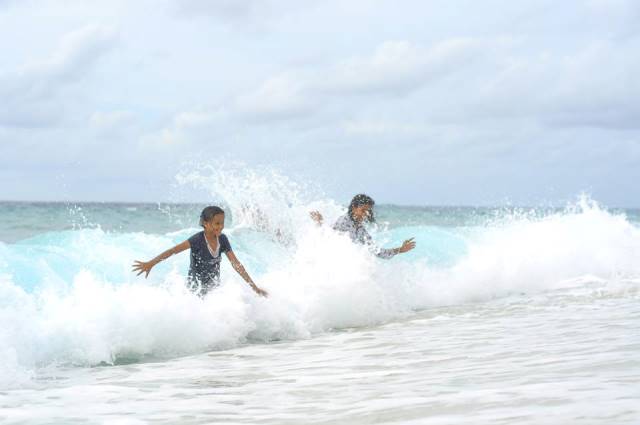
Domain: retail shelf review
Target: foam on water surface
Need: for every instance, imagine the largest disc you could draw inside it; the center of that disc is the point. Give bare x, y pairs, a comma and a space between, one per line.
68, 297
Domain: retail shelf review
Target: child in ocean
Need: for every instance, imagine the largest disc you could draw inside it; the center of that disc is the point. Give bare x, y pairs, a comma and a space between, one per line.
361, 210
207, 248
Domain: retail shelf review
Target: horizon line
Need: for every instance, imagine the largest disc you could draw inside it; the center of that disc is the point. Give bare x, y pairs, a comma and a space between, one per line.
392, 204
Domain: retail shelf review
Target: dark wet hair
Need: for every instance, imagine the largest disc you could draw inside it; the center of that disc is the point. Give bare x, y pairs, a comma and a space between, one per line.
208, 213
360, 200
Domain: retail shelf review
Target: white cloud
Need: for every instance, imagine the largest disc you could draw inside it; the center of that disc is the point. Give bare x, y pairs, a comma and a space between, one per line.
111, 119
190, 119
394, 68
79, 49
7, 3
594, 85
368, 127
281, 97
251, 15
181, 130
31, 94
227, 9
400, 67
434, 86
467, 79
624, 14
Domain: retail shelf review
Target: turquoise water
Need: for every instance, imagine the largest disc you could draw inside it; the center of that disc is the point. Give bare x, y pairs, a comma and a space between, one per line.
22, 220
499, 313
44, 241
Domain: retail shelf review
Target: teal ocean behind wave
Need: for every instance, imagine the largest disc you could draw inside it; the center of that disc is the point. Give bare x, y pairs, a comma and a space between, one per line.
23, 220
69, 301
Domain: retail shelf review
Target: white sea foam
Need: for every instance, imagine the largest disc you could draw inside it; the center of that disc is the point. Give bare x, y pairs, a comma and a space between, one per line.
72, 299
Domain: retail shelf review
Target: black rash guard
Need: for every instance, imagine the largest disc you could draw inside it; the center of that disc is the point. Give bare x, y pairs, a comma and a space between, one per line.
204, 269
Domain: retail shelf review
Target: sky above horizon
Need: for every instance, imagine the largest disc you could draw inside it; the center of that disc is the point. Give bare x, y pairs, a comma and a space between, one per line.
427, 102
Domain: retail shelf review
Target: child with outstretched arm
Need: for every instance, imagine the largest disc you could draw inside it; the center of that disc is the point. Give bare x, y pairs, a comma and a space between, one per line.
361, 211
207, 248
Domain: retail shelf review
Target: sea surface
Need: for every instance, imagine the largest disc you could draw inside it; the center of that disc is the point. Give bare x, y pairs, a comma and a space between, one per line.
500, 315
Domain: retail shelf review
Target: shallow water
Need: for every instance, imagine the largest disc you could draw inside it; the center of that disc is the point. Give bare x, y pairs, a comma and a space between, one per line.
559, 357
503, 315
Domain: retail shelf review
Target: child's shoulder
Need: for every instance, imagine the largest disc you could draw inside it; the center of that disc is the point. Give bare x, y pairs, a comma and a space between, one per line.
196, 237
224, 241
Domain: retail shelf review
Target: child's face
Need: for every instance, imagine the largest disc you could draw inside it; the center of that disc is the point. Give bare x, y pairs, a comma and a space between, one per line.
361, 212
215, 224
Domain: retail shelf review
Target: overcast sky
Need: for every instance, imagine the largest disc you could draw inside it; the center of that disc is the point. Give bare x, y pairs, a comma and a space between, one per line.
424, 102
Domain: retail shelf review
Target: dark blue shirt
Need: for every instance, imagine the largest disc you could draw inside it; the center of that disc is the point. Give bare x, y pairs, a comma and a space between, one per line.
204, 269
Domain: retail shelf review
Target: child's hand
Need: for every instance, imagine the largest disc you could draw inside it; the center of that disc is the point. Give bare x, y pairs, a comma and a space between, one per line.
142, 267
407, 245
317, 217
261, 292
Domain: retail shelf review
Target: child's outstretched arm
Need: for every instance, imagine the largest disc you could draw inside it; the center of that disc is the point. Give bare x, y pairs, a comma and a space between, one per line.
238, 267
145, 267
406, 246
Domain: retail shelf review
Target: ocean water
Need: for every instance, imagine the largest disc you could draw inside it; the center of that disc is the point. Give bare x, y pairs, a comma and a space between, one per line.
500, 315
